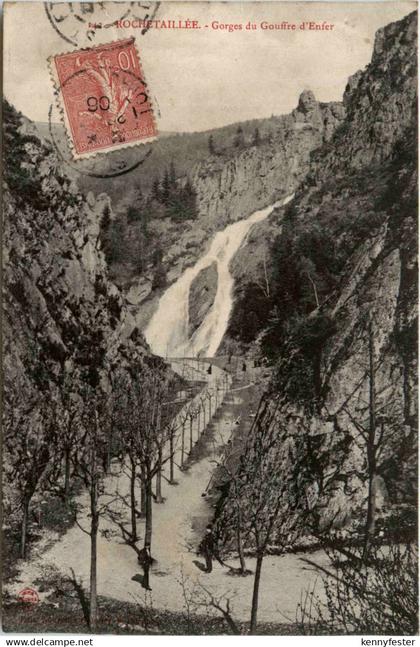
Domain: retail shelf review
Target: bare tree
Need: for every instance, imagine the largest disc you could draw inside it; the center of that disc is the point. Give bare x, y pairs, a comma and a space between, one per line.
148, 436
175, 423
91, 468
221, 603
29, 442
275, 511
67, 414
264, 285
208, 394
379, 598
267, 493
191, 415
198, 598
323, 472
140, 388
374, 417
233, 522
203, 409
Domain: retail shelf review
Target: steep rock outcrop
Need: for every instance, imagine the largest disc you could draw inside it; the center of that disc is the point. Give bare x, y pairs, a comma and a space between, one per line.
202, 293
59, 304
344, 288
232, 189
381, 102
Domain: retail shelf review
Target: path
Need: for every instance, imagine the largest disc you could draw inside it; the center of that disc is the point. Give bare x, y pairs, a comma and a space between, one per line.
178, 526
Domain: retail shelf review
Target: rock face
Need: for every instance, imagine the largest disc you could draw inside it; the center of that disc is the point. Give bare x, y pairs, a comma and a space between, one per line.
378, 106
202, 293
381, 103
229, 190
59, 303
357, 206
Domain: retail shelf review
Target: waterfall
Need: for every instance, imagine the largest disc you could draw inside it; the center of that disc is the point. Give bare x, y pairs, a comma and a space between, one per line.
167, 331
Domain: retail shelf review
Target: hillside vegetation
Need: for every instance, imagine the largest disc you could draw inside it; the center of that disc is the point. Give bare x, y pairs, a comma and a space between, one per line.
333, 307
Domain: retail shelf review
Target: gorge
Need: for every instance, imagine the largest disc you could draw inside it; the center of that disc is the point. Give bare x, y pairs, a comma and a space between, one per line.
291, 241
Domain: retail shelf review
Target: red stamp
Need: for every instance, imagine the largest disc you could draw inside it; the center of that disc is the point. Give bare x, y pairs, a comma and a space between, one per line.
28, 595
104, 98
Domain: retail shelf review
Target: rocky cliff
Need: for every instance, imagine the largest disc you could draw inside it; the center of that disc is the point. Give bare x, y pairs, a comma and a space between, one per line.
381, 106
60, 309
341, 292
253, 178
202, 293
55, 273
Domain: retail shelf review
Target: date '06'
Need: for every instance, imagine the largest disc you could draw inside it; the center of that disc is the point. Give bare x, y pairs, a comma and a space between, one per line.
103, 103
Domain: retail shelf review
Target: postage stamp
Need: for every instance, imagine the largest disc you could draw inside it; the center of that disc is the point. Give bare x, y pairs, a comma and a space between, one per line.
103, 98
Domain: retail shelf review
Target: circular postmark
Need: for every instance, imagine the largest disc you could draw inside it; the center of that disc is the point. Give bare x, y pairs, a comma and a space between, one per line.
28, 596
117, 161
113, 164
78, 23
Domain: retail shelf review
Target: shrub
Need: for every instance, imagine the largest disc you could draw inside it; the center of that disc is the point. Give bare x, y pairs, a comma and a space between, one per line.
378, 598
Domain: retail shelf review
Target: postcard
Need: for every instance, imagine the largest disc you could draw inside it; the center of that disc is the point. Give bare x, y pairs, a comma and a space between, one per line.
210, 318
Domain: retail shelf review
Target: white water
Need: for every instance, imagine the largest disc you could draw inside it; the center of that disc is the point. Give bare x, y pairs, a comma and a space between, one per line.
167, 331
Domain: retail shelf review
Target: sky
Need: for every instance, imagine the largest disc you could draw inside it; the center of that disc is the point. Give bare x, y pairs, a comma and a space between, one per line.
207, 78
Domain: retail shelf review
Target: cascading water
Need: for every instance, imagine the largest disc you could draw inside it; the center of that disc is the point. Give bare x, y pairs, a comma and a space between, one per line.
167, 332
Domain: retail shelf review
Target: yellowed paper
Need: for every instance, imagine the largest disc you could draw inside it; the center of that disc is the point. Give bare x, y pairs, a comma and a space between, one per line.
210, 318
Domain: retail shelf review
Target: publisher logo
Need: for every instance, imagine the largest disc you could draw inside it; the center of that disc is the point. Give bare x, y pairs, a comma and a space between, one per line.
28, 595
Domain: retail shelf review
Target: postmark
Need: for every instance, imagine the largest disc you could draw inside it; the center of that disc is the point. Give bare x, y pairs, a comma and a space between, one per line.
28, 596
78, 23
103, 167
103, 98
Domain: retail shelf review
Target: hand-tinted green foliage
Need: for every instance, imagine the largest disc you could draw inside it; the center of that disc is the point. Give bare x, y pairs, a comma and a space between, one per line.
23, 153
301, 377
321, 229
245, 328
23, 183
131, 239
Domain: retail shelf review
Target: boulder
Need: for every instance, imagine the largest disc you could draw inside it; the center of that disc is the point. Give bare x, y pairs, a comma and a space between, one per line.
202, 294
